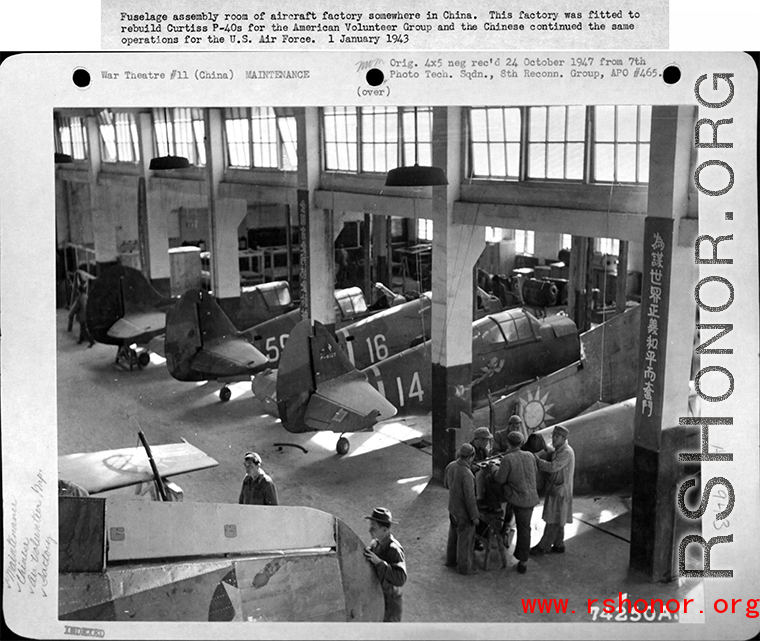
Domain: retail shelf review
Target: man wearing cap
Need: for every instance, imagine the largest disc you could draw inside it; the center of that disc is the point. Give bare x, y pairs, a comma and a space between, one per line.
258, 488
463, 510
558, 506
517, 474
500, 444
481, 441
387, 555
514, 424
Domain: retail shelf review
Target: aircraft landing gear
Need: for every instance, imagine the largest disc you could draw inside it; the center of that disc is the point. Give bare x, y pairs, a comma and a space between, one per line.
342, 446
225, 394
143, 359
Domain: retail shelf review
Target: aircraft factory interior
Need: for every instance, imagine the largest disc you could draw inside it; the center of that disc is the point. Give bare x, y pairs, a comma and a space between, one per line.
344, 300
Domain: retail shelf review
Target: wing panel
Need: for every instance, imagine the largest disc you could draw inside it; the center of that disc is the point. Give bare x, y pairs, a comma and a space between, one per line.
111, 469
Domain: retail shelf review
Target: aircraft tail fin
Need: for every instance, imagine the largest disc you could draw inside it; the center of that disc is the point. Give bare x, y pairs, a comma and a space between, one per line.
319, 389
195, 322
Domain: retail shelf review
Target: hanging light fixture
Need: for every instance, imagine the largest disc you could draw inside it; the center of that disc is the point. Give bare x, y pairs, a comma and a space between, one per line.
62, 158
168, 161
416, 175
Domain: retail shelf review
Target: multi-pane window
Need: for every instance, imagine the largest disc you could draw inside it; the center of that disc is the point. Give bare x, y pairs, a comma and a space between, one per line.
417, 136
180, 131
494, 234
621, 143
118, 133
425, 229
260, 137
376, 139
607, 245
72, 137
524, 242
556, 137
379, 138
495, 134
341, 135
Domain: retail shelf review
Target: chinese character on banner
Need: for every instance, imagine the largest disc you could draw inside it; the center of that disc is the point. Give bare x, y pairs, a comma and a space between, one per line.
653, 326
656, 259
659, 243
651, 343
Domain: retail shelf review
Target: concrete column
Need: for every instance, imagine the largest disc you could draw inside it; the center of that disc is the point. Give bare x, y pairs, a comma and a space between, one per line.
621, 282
156, 233
664, 366
103, 224
317, 258
579, 293
456, 249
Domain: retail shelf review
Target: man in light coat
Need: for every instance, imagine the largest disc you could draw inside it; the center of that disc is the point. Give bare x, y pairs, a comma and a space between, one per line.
464, 516
558, 505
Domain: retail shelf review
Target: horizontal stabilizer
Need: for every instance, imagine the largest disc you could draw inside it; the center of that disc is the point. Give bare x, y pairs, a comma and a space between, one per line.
347, 404
227, 357
112, 469
136, 324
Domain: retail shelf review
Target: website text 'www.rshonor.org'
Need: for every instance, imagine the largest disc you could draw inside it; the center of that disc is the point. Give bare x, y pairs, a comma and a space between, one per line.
626, 609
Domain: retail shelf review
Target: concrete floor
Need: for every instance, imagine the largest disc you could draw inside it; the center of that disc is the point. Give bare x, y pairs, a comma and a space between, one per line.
96, 399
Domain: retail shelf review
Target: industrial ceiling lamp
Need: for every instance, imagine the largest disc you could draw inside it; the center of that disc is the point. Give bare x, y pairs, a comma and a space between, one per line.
415, 176
62, 158
168, 161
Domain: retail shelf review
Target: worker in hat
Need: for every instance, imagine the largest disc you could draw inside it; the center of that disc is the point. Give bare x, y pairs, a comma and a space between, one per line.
481, 441
387, 556
517, 475
501, 445
464, 516
258, 488
559, 469
514, 424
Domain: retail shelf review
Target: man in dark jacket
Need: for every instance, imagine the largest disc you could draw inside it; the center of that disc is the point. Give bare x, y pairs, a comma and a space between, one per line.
464, 516
517, 473
387, 555
258, 488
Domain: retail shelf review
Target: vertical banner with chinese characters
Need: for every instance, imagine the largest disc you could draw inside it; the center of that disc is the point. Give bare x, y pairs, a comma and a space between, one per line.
655, 295
303, 232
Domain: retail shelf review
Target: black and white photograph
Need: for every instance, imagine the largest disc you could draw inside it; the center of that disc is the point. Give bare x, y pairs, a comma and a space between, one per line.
349, 340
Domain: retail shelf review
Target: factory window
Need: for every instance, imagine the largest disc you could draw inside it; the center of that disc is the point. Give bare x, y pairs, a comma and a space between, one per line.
524, 242
118, 134
607, 245
387, 137
180, 132
379, 136
621, 143
556, 138
260, 137
566, 242
417, 136
494, 234
495, 134
72, 137
340, 136
425, 229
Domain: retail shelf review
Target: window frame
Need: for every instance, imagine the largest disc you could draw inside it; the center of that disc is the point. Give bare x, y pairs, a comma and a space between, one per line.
134, 142
250, 143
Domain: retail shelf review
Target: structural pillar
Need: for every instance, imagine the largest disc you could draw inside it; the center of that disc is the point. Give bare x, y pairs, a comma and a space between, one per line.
317, 275
665, 349
103, 224
154, 235
456, 248
621, 281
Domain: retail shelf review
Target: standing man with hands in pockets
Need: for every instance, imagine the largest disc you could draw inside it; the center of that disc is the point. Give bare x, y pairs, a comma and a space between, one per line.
463, 511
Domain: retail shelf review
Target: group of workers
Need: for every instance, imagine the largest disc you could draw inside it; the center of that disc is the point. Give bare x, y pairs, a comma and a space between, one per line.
494, 494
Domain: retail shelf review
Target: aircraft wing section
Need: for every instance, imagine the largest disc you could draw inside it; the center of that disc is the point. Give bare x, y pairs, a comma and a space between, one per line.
137, 323
347, 403
112, 469
228, 357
